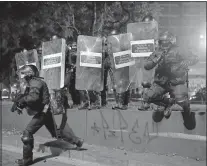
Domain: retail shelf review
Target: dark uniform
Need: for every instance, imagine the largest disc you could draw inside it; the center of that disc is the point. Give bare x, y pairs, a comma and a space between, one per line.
35, 99
71, 76
170, 76
107, 67
122, 99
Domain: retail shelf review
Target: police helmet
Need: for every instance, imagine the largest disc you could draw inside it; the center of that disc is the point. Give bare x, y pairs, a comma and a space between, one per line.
166, 39
28, 71
147, 18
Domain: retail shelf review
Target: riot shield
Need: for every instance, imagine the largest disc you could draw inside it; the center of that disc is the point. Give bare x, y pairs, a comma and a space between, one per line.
144, 35
120, 57
89, 70
27, 57
53, 63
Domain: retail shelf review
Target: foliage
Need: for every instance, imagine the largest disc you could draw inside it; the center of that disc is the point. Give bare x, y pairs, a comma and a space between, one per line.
27, 24
201, 94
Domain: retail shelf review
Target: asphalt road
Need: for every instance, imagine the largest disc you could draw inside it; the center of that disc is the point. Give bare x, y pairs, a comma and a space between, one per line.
8, 159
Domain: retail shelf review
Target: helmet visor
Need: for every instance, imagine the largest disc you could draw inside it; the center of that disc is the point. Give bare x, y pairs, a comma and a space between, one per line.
164, 43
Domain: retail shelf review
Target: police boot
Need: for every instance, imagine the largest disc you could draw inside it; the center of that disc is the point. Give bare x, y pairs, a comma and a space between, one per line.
103, 98
188, 116
97, 103
123, 107
79, 143
117, 99
124, 100
84, 105
158, 113
28, 144
24, 162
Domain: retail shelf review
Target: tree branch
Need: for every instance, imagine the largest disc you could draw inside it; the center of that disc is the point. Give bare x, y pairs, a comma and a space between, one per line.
73, 19
125, 19
123, 22
63, 26
78, 32
103, 16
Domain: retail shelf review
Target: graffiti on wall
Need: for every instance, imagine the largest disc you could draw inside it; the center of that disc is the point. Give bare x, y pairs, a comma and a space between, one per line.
136, 133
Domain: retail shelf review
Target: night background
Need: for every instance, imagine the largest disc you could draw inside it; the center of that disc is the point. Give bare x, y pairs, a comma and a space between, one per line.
28, 24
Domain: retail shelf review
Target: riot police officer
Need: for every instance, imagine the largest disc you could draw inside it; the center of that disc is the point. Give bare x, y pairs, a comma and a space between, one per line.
170, 76
122, 99
71, 74
35, 99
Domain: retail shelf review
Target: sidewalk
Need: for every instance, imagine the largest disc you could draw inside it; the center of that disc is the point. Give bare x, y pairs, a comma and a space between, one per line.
8, 159
98, 155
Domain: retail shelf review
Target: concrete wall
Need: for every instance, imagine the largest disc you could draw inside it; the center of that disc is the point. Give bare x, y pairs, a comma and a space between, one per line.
131, 129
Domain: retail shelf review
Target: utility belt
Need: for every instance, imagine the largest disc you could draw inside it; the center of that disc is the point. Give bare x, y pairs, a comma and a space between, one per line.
33, 111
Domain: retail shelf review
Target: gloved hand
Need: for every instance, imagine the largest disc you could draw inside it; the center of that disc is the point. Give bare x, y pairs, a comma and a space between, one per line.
157, 56
14, 106
17, 107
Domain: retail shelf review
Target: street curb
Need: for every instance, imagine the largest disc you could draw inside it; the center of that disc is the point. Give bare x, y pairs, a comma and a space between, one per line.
59, 159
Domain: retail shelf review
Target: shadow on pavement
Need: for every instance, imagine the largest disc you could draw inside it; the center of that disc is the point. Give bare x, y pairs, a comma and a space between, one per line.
58, 146
39, 159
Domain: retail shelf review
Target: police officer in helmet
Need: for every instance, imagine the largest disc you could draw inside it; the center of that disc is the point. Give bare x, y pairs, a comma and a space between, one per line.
170, 76
35, 99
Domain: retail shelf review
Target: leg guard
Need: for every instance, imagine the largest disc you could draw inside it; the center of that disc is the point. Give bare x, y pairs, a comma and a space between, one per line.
28, 146
124, 100
97, 103
69, 136
181, 95
85, 100
188, 116
157, 116
126, 97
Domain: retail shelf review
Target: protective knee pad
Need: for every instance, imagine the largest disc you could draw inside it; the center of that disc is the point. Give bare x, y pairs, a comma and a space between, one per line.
157, 116
27, 138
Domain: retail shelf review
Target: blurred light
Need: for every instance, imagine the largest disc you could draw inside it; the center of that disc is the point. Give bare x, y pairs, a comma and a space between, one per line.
54, 37
113, 32
201, 37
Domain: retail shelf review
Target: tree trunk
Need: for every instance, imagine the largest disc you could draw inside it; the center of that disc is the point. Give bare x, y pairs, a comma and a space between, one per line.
94, 18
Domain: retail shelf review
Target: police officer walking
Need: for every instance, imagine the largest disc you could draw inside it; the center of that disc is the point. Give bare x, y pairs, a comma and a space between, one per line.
35, 99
